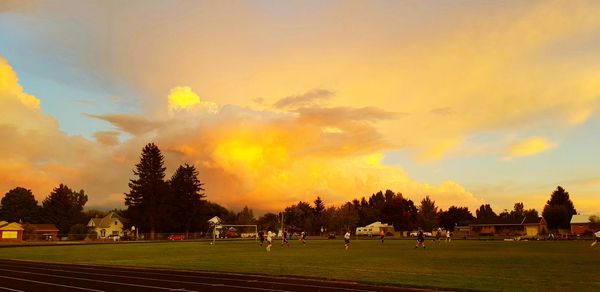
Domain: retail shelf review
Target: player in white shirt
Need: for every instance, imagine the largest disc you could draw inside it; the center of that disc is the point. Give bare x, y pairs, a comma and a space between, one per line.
347, 240
269, 240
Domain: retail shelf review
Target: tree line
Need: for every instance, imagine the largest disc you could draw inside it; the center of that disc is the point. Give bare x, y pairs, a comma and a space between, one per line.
155, 204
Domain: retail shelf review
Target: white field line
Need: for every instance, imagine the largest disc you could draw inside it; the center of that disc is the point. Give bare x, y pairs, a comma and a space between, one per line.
9, 289
48, 283
200, 277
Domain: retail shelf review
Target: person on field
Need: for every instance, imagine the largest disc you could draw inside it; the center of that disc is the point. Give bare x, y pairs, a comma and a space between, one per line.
261, 237
284, 239
448, 239
438, 235
597, 234
303, 237
420, 239
382, 235
347, 240
269, 240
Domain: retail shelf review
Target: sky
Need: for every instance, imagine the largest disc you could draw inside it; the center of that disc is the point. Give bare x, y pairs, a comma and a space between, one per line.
468, 102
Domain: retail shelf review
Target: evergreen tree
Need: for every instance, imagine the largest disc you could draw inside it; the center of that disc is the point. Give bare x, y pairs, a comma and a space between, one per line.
186, 195
148, 195
319, 209
428, 214
19, 204
64, 208
559, 209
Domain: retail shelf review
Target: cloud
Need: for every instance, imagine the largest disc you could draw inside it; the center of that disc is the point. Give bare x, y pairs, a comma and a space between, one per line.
306, 99
132, 124
109, 138
529, 147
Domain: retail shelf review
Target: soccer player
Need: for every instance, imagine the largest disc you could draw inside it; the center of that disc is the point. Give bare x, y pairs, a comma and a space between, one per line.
261, 237
448, 235
284, 239
303, 237
382, 235
420, 239
438, 235
269, 240
597, 234
347, 239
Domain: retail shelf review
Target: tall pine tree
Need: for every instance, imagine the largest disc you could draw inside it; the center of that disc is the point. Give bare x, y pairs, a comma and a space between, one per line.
559, 209
148, 194
64, 208
186, 192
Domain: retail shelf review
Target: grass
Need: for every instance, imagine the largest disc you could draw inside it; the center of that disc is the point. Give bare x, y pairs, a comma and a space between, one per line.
459, 265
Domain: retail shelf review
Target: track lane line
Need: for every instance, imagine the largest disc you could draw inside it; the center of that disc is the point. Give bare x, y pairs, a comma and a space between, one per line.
142, 271
10, 289
139, 278
51, 284
91, 280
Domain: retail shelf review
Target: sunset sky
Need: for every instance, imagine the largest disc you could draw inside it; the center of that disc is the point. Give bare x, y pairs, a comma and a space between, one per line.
469, 102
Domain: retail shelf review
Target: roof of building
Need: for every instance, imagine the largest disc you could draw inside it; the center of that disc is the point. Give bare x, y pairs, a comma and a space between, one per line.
11, 226
577, 219
43, 227
378, 224
507, 221
105, 221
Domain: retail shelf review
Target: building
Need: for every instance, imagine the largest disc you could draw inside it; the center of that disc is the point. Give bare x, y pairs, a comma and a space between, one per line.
374, 229
108, 227
580, 224
530, 227
42, 232
11, 231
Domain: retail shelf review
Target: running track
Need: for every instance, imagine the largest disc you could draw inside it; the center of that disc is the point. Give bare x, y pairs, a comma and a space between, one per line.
37, 276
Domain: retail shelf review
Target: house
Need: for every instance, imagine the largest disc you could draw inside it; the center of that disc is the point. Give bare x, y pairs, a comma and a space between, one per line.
374, 229
10, 231
42, 232
530, 227
580, 224
108, 227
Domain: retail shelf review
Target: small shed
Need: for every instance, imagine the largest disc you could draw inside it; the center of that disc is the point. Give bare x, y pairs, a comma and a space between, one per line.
580, 224
11, 231
42, 232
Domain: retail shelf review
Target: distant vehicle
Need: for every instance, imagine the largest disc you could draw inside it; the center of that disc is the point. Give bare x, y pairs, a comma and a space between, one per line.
331, 235
176, 237
230, 234
415, 233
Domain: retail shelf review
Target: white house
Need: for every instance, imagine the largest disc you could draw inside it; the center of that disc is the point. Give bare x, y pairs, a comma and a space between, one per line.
110, 226
374, 229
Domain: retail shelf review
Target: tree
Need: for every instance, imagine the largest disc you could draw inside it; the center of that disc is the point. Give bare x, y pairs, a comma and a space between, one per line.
245, 217
594, 222
148, 195
455, 216
559, 209
319, 209
301, 215
186, 195
485, 211
19, 204
268, 221
64, 207
428, 214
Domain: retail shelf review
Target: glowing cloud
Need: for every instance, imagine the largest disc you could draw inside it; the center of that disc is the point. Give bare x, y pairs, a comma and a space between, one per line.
182, 97
528, 147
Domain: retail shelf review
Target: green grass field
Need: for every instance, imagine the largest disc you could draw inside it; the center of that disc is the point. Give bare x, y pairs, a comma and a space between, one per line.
462, 265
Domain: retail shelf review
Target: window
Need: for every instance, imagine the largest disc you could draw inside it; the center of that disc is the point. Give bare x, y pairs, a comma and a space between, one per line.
115, 222
102, 233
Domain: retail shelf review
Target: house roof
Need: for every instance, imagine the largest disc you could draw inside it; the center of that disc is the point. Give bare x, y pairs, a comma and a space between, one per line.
377, 224
580, 219
507, 221
43, 227
106, 221
11, 226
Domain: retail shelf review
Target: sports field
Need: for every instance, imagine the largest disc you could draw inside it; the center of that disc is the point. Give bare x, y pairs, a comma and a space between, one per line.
459, 265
